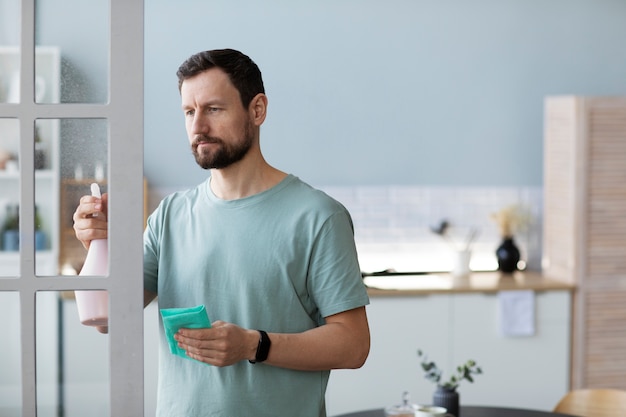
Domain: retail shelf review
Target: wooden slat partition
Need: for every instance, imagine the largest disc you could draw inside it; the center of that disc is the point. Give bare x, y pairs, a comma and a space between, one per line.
585, 229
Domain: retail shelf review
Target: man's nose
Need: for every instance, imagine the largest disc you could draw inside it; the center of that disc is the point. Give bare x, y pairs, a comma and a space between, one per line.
200, 124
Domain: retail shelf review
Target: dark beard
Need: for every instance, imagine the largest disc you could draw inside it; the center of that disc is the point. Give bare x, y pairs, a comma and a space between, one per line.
225, 155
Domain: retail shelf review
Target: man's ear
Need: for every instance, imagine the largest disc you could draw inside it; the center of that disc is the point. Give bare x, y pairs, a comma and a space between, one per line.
258, 109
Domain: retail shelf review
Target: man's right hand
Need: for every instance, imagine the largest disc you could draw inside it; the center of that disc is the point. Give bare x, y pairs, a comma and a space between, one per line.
90, 219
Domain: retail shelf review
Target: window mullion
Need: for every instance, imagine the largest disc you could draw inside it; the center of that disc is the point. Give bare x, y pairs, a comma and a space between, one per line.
27, 285
126, 207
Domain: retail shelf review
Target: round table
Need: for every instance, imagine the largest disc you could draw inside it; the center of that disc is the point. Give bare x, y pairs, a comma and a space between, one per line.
473, 411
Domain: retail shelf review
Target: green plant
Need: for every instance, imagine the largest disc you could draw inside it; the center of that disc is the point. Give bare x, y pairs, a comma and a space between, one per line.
434, 374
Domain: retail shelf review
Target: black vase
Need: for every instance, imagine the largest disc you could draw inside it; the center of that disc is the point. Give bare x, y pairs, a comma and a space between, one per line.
447, 398
508, 256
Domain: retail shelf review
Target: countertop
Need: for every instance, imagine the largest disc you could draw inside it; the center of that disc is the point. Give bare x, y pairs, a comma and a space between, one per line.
444, 283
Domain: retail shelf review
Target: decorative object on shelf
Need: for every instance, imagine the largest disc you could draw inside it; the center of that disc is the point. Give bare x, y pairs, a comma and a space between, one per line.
461, 264
509, 220
5, 156
508, 256
11, 229
98, 172
78, 172
446, 394
12, 166
462, 249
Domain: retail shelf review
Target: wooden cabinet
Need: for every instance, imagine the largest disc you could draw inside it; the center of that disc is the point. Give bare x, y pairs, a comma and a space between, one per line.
46, 156
585, 228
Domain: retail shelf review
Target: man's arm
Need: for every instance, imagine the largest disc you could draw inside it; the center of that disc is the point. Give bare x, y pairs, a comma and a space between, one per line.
342, 343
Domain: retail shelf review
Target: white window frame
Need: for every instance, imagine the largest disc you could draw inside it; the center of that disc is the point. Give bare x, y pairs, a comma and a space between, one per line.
124, 112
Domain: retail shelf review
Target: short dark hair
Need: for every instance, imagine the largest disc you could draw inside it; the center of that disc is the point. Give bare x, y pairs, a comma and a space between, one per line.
242, 71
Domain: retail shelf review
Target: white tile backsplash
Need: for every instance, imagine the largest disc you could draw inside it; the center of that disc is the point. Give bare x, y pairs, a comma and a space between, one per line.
392, 223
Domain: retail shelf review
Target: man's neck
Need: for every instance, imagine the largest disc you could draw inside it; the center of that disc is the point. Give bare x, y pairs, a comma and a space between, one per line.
235, 182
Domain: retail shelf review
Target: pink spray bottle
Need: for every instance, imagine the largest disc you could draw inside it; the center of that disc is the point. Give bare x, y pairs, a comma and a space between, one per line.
93, 306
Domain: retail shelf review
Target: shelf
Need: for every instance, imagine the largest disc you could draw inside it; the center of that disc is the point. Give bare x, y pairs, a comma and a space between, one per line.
45, 263
39, 174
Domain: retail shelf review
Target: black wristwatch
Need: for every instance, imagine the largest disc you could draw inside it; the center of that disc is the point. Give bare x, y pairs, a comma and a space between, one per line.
263, 349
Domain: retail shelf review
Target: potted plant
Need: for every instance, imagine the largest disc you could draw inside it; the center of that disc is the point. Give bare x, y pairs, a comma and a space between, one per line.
446, 394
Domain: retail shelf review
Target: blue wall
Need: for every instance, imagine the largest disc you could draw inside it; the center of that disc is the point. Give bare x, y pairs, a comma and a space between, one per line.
371, 92
431, 92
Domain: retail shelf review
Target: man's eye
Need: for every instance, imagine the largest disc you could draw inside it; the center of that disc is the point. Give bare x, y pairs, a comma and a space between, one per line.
189, 113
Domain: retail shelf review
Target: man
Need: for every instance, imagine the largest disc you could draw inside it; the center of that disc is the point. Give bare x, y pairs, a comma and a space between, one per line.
271, 258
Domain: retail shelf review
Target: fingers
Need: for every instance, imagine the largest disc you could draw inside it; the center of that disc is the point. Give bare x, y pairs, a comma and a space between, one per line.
90, 206
200, 344
221, 345
90, 219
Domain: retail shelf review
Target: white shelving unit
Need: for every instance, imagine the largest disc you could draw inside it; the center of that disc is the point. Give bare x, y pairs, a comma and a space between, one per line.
48, 76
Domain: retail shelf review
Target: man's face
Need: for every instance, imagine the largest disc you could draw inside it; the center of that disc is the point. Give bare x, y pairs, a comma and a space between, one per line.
218, 126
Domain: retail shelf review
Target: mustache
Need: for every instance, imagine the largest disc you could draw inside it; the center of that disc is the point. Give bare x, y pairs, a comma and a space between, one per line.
204, 139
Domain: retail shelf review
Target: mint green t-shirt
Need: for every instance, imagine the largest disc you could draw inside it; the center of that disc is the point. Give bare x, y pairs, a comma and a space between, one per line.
278, 261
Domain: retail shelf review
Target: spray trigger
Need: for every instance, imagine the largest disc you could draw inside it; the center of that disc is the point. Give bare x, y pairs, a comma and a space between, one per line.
95, 192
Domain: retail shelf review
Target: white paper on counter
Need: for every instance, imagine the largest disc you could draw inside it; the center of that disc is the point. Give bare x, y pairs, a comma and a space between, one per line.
516, 311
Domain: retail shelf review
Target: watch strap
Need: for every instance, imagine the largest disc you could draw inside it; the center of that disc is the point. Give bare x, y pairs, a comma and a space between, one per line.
263, 348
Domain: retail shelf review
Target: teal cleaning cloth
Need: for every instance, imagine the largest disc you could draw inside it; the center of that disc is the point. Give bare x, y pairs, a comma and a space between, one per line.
188, 318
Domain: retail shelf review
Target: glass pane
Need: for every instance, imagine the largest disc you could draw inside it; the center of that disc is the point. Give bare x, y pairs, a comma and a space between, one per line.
46, 180
47, 69
10, 356
46, 81
9, 74
10, 22
83, 161
47, 75
9, 198
84, 73
48, 332
72, 360
9, 50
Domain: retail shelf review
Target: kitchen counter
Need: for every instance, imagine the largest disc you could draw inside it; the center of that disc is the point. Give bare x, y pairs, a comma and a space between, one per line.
453, 320
481, 282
